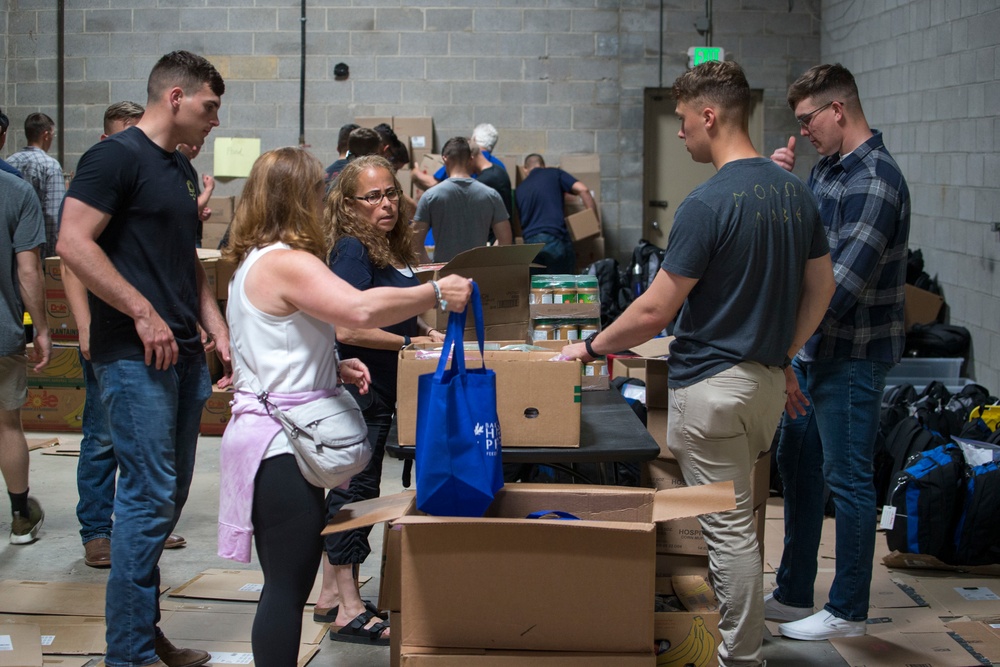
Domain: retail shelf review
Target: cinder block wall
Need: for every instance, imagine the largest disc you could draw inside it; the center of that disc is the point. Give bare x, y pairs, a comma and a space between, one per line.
929, 76
554, 76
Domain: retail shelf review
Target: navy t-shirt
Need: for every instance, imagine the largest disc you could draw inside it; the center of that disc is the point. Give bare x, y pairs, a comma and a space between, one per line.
151, 196
349, 260
540, 202
745, 234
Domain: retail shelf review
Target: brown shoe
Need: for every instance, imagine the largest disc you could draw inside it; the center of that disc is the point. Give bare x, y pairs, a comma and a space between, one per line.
175, 542
179, 657
97, 553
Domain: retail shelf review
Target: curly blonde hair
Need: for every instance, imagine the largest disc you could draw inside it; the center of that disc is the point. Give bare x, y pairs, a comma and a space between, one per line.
343, 218
281, 202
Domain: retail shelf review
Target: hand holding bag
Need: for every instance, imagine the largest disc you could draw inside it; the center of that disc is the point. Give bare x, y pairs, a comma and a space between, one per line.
329, 436
459, 467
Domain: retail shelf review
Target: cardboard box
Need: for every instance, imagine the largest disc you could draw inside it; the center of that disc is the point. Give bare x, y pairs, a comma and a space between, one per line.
218, 271
921, 306
217, 412
63, 370
694, 635
222, 209
212, 234
455, 572
583, 225
420, 130
588, 251
405, 178
53, 409
538, 400
561, 311
417, 657
231, 585
371, 121
53, 274
52, 598
67, 635
502, 273
20, 645
684, 536
59, 316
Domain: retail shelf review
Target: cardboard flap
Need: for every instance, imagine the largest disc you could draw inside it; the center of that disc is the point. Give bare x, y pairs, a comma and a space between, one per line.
493, 256
369, 512
626, 526
686, 501
655, 347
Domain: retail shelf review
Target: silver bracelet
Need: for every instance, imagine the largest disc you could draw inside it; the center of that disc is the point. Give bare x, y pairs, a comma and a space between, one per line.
442, 303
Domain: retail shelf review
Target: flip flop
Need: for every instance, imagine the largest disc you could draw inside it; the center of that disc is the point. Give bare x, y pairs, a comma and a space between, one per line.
355, 632
329, 615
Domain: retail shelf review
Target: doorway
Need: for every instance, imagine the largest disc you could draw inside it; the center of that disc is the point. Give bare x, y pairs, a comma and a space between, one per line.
669, 173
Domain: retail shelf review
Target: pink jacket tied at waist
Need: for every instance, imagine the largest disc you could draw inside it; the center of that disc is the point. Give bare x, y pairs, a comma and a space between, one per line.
244, 442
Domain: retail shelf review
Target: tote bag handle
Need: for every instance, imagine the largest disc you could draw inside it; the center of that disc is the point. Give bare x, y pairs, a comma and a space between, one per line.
454, 337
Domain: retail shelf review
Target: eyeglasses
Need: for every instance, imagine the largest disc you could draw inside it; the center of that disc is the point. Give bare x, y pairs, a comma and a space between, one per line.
804, 120
375, 198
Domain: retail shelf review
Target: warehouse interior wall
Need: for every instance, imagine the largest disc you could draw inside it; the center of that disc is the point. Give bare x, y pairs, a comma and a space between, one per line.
555, 77
928, 77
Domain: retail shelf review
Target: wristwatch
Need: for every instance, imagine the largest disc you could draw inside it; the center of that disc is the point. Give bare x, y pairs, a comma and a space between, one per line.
588, 342
786, 363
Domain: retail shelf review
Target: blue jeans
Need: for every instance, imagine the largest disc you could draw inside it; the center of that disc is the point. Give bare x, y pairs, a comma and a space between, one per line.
154, 417
96, 468
558, 255
833, 443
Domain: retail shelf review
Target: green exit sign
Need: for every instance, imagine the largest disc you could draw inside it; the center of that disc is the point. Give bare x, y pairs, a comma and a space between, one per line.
703, 54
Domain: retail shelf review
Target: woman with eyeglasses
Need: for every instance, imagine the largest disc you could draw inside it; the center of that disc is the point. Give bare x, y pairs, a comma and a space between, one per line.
285, 310
368, 223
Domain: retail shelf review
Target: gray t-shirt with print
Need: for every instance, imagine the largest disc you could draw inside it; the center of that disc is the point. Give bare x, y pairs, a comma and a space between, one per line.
24, 229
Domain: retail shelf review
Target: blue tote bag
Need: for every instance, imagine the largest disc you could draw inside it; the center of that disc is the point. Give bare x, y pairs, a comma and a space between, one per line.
458, 462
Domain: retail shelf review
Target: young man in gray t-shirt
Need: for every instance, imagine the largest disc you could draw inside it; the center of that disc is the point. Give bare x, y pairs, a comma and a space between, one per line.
747, 274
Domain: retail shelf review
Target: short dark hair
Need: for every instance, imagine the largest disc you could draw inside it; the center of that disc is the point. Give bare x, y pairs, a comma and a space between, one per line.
720, 82
395, 150
185, 69
121, 111
457, 149
363, 141
4, 122
35, 125
345, 132
824, 81
534, 157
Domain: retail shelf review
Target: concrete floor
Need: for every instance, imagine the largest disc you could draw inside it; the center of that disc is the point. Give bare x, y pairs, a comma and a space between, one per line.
58, 554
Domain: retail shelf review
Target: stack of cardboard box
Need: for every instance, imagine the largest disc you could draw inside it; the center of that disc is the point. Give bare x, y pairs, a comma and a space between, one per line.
680, 545
217, 411
56, 394
214, 229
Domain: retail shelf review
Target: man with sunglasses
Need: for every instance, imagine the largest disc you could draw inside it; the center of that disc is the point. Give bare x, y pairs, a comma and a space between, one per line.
865, 206
460, 210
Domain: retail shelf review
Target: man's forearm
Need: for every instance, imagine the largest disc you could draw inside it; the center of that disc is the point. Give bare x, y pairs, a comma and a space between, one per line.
32, 285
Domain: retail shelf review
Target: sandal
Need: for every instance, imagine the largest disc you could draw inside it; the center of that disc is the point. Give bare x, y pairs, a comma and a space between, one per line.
355, 632
329, 615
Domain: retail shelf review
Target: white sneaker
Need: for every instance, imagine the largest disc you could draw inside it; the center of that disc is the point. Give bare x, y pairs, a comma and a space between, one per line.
783, 613
822, 625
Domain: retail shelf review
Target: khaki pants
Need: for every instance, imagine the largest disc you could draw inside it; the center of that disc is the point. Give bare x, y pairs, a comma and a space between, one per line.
716, 429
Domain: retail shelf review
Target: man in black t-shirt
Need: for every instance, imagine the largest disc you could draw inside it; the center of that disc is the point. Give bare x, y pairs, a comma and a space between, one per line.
128, 233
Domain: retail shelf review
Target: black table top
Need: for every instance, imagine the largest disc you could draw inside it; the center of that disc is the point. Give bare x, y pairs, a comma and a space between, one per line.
609, 431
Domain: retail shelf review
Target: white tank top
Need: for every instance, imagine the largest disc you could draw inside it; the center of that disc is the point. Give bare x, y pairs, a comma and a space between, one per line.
287, 354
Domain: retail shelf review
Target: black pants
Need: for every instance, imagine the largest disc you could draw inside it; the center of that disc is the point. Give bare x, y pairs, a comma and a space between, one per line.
352, 547
287, 519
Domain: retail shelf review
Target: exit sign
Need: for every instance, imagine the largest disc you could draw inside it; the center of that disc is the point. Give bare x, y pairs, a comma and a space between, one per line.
703, 54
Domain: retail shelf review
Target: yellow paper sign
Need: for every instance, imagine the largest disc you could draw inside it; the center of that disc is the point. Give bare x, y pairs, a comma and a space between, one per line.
234, 156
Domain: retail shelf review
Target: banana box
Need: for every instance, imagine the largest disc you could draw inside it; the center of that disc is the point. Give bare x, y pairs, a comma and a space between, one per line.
685, 638
63, 370
53, 409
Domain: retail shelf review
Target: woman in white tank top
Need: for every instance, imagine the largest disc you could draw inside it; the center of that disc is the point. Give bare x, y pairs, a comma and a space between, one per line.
283, 305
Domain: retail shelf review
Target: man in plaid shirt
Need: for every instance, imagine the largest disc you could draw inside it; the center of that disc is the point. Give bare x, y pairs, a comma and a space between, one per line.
43, 172
865, 206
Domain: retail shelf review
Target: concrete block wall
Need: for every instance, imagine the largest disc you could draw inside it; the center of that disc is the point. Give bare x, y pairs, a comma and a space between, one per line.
554, 76
929, 77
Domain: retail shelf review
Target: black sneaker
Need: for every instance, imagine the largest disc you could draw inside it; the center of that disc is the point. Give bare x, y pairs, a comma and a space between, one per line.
24, 529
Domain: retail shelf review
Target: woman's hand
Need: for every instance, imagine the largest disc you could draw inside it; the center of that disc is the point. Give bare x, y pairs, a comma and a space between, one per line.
435, 336
354, 371
456, 290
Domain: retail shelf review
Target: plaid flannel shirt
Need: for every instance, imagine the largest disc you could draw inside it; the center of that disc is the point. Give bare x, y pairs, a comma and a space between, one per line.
46, 176
865, 206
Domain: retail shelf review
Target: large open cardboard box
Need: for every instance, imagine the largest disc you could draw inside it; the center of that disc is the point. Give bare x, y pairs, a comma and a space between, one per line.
502, 274
921, 306
538, 400
525, 575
